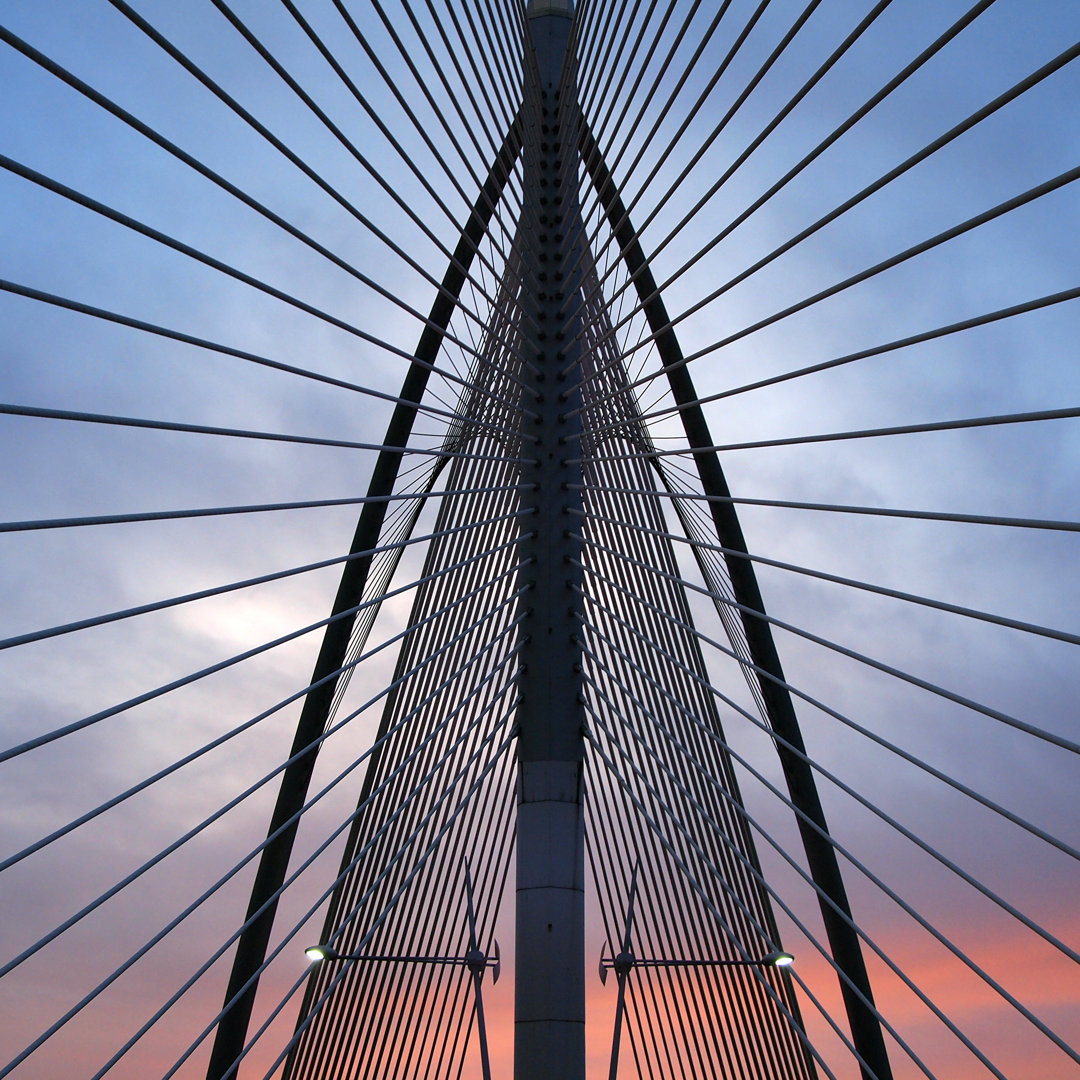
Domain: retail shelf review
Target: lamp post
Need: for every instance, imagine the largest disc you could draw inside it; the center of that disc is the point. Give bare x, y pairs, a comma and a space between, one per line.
475, 959
625, 961
622, 963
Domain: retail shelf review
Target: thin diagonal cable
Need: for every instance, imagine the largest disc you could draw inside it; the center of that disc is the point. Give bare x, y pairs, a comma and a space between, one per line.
999, 210
410, 940
645, 100
332, 920
435, 556
1034, 416
864, 24
465, 409
700, 544
293, 1040
801, 926
881, 741
218, 590
450, 174
225, 350
140, 699
295, 876
36, 412
203, 258
279, 948
463, 84
469, 53
648, 143
601, 867
630, 94
1066, 57
707, 952
1010, 721
666, 843
681, 827
986, 710
1010, 95
927, 926
616, 75
677, 84
205, 171
168, 47
379, 575
421, 84
448, 881
953, 31
504, 72
488, 545
962, 325
592, 152
609, 402
387, 868
134, 957
588, 28
896, 594
1052, 525
511, 35
769, 935
499, 751
778, 50
358, 95
116, 974
504, 68
662, 891
226, 511
180, 763
660, 159
594, 57
399, 1054
657, 655
419, 646
912, 837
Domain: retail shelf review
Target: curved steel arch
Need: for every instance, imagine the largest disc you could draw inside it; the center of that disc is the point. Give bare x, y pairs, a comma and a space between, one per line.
820, 853
251, 948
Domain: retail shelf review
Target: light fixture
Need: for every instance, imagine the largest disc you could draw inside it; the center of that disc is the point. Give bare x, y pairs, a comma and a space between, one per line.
778, 959
475, 960
318, 953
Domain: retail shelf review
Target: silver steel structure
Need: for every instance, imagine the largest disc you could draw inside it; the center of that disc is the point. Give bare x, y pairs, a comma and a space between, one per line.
610, 321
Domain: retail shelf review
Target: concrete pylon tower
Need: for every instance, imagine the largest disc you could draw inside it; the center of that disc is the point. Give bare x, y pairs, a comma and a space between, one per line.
549, 1027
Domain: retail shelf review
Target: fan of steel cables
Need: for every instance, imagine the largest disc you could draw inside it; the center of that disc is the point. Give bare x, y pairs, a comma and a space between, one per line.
352, 348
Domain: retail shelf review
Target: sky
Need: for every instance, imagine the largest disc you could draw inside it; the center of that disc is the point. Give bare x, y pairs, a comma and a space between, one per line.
64, 360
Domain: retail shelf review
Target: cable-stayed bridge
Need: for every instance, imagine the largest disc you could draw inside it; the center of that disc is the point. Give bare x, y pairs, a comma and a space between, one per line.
537, 488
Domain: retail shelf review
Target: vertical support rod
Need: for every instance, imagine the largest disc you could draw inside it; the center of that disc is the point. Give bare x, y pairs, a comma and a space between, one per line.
549, 996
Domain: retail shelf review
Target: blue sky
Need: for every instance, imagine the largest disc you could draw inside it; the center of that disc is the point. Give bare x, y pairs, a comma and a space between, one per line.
64, 360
